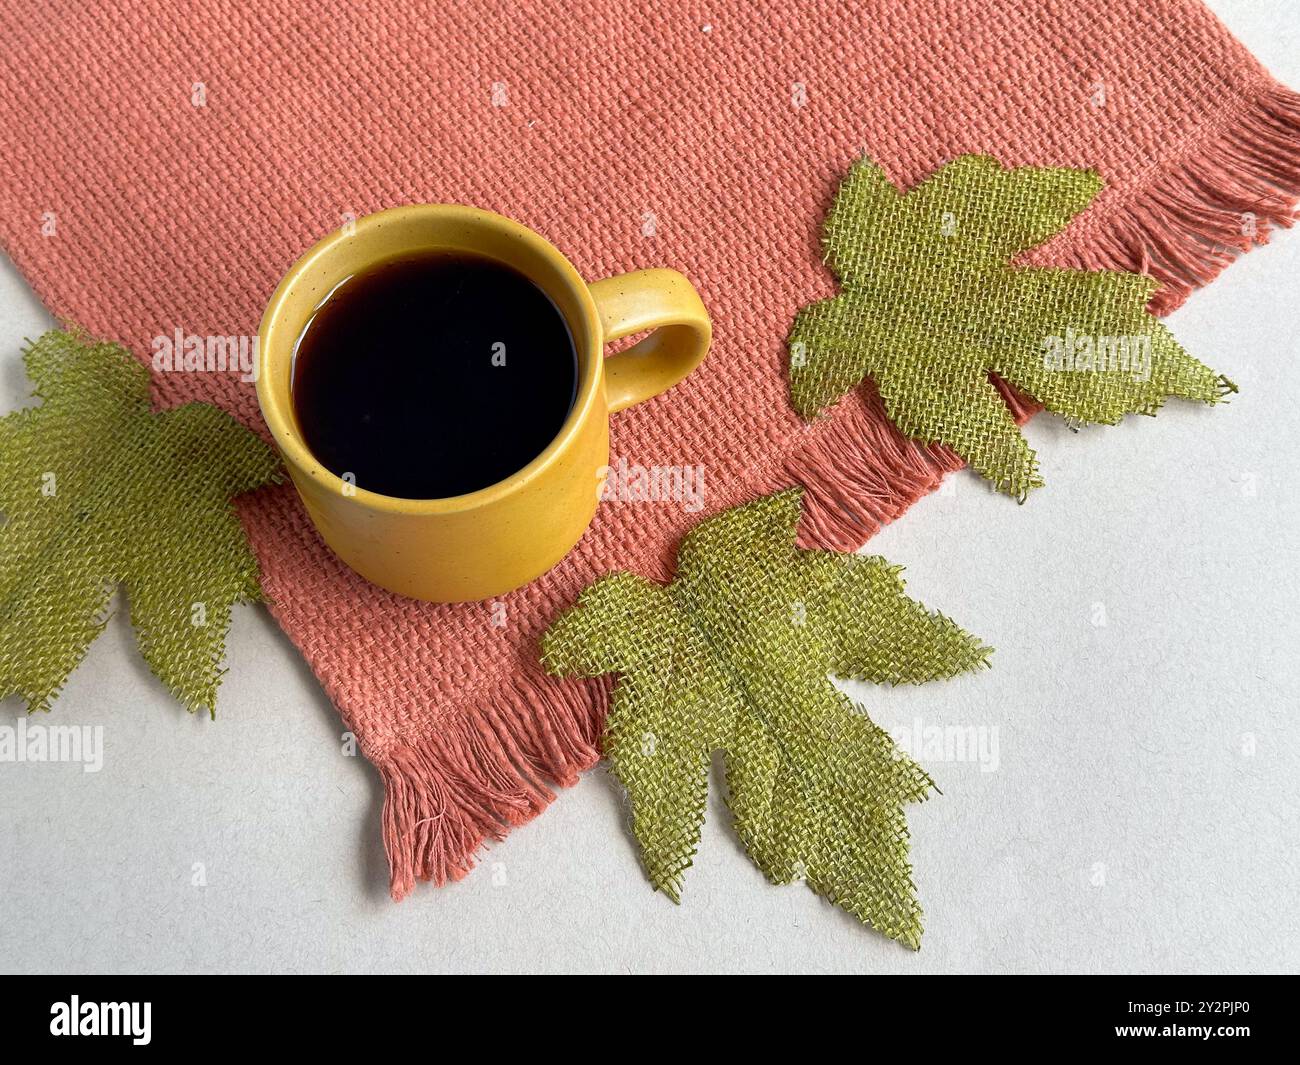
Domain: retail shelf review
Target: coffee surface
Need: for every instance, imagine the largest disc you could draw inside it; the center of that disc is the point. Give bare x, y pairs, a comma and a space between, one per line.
432, 375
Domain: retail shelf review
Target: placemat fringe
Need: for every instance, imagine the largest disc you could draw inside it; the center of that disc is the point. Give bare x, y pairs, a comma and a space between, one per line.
860, 473
1222, 198
483, 773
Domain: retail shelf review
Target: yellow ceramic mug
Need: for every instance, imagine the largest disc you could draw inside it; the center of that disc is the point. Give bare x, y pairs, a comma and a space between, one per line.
486, 542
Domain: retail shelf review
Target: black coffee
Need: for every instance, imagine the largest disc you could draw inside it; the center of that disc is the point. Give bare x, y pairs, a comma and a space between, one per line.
432, 375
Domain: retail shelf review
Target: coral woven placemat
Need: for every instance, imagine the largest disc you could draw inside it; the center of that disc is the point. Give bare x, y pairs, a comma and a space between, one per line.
163, 162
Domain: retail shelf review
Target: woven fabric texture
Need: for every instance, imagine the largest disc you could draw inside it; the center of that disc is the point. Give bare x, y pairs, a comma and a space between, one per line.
734, 656
97, 490
928, 306
171, 182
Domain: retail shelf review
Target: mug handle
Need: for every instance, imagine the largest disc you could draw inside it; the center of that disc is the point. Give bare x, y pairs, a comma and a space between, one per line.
662, 300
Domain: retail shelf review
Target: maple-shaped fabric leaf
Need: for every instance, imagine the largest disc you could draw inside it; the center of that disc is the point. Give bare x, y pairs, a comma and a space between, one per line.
929, 306
734, 655
96, 489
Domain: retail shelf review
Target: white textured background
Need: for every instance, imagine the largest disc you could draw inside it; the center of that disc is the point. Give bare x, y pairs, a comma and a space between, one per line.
1125, 827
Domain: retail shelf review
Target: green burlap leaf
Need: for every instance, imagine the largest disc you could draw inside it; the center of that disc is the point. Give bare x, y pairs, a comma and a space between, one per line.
929, 306
734, 655
98, 490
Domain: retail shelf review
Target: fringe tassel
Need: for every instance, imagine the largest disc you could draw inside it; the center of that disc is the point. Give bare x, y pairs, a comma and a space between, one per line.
484, 773
1223, 198
858, 473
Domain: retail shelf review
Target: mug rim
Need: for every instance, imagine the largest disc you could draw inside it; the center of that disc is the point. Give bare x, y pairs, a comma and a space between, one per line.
279, 416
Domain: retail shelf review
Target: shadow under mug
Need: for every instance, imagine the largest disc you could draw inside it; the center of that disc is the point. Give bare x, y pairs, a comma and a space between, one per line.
487, 542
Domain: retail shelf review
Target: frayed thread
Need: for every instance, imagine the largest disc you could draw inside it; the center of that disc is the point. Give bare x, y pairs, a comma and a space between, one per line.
484, 773
1222, 199
859, 473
